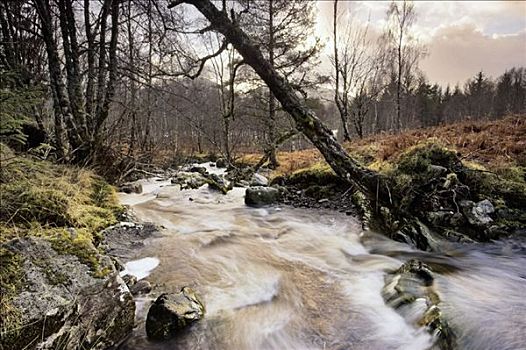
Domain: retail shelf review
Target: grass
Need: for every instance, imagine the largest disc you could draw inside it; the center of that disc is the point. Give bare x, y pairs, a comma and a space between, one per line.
68, 206
497, 146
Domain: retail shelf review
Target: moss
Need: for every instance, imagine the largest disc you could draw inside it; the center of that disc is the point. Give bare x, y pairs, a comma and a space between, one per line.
12, 279
318, 174
417, 159
38, 192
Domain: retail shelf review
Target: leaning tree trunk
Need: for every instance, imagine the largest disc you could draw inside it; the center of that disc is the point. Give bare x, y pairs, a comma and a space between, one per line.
374, 185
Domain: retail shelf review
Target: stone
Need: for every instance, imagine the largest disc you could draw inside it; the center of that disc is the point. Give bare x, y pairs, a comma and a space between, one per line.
439, 218
63, 304
411, 291
189, 180
221, 163
198, 169
478, 214
172, 312
437, 170
218, 183
141, 287
131, 188
260, 196
258, 180
130, 280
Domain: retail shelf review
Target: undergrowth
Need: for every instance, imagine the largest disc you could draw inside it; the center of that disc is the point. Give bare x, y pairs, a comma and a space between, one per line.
65, 205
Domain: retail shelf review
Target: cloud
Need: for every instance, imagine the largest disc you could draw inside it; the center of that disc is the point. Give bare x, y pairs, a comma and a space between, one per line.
458, 52
462, 37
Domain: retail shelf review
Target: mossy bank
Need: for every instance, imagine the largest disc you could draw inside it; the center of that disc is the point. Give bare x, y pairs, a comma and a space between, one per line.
51, 262
445, 197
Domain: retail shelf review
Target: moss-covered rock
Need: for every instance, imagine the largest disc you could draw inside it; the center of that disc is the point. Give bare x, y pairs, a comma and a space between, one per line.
50, 264
55, 307
412, 292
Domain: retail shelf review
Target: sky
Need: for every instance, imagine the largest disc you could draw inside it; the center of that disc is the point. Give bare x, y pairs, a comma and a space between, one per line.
462, 37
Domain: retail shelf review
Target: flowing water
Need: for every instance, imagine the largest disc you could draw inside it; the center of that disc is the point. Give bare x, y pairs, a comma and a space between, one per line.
288, 278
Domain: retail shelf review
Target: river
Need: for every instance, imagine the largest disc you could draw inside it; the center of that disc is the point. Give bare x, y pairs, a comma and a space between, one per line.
289, 278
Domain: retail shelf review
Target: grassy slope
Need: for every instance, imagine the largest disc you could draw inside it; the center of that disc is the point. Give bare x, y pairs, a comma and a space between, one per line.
41, 199
498, 146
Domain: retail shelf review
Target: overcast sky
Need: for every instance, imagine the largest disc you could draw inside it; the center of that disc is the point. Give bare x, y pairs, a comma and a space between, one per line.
462, 37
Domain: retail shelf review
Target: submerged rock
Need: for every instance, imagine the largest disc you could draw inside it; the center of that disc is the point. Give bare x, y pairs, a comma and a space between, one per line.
172, 312
260, 196
131, 188
63, 303
141, 287
411, 291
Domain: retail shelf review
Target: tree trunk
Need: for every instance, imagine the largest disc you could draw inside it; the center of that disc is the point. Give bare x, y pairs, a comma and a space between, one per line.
374, 185
62, 107
90, 82
341, 108
273, 159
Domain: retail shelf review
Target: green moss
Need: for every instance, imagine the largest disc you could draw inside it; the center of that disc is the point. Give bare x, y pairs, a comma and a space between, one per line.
12, 279
38, 192
418, 158
318, 174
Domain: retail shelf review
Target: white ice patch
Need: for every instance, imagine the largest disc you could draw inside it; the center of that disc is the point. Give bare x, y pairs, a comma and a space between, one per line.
140, 268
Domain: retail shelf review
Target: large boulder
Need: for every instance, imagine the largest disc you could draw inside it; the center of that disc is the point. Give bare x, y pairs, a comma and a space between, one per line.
260, 196
170, 313
62, 301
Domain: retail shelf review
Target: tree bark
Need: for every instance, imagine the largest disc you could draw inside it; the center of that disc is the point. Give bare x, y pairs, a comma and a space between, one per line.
273, 159
374, 185
342, 107
62, 107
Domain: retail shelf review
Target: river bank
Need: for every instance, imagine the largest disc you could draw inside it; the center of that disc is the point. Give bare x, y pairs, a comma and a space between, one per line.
307, 256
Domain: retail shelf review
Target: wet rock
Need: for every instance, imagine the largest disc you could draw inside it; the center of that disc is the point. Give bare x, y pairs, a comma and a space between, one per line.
221, 163
440, 218
411, 291
189, 180
119, 240
198, 169
131, 188
260, 196
258, 180
218, 183
130, 280
64, 303
478, 214
141, 287
173, 312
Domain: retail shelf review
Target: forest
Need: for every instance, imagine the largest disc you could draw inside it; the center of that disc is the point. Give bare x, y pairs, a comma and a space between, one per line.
338, 181
142, 79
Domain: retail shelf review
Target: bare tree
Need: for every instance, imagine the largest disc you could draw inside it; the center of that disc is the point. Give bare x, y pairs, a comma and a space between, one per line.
405, 51
357, 62
370, 182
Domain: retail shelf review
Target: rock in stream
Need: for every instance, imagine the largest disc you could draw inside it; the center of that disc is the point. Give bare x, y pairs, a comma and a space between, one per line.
170, 313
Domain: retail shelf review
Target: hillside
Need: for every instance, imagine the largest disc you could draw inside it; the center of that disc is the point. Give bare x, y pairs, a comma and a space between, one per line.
497, 145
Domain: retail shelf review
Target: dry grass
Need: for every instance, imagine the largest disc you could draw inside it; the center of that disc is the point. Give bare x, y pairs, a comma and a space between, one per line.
493, 145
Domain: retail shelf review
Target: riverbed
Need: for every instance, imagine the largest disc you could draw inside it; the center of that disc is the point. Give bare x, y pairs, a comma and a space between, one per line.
290, 278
